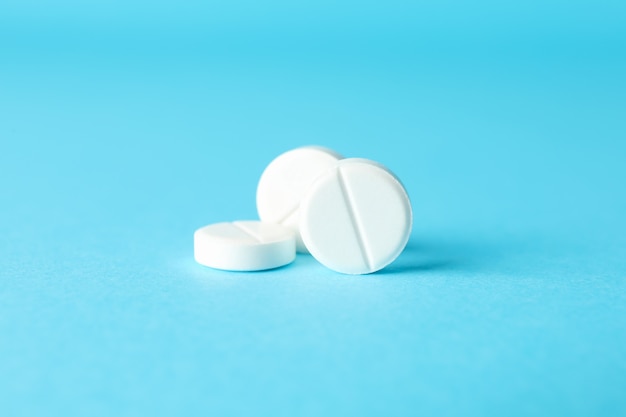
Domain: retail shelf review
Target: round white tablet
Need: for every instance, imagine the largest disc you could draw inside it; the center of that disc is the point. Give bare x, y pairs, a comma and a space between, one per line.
244, 246
286, 180
356, 218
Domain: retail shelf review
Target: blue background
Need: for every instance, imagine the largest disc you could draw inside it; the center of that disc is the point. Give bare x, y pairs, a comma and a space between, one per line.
126, 125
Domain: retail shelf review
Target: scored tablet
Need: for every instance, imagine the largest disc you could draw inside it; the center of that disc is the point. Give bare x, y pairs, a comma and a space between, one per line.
356, 218
244, 246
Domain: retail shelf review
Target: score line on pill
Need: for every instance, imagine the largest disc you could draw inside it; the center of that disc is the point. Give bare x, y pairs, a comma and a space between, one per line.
285, 182
356, 218
244, 246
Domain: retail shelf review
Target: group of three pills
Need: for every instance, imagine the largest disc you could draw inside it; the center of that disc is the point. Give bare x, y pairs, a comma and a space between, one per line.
353, 215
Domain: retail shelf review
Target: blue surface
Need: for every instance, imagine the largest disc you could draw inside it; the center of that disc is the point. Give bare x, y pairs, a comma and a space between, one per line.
124, 126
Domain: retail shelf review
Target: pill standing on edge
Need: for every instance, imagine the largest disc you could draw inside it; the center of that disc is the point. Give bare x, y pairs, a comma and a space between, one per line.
244, 246
356, 218
286, 180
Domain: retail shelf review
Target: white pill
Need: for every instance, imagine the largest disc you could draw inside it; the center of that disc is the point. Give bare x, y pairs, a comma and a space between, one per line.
285, 182
356, 218
244, 246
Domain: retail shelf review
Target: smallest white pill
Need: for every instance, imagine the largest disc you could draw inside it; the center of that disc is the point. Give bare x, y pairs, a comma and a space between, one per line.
244, 246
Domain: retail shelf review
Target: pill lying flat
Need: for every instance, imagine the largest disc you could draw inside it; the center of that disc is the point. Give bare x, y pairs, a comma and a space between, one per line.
356, 218
286, 180
244, 246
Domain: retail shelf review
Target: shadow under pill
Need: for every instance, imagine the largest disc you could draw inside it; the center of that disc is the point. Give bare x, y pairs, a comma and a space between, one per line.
422, 256
459, 254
